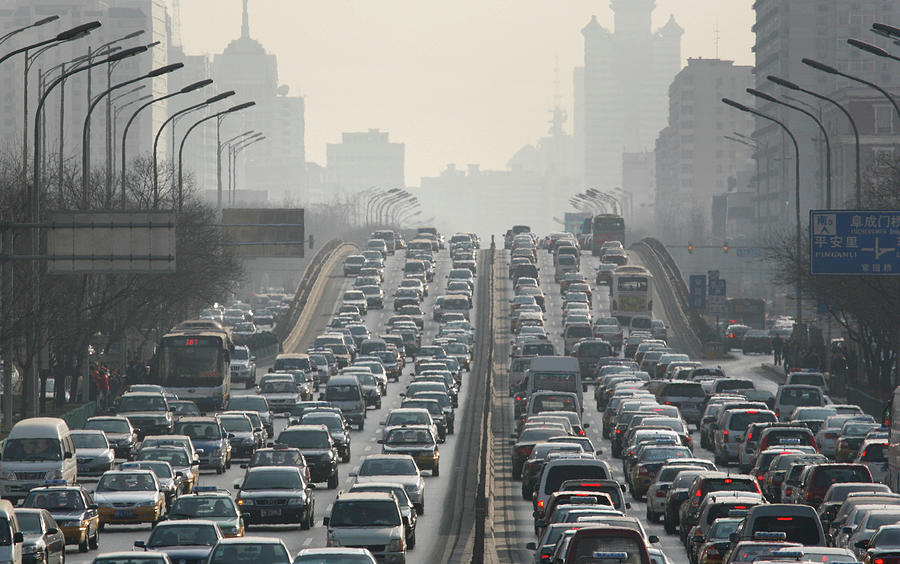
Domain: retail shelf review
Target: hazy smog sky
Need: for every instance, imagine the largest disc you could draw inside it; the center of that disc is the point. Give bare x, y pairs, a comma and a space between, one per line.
462, 81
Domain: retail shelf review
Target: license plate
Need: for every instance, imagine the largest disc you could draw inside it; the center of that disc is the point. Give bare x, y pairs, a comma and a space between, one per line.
269, 512
120, 513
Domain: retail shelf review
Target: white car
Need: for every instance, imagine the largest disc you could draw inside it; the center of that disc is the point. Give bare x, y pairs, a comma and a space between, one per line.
394, 468
873, 453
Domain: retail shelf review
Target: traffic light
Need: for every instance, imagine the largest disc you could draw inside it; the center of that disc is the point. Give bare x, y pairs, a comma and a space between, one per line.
725, 247
691, 247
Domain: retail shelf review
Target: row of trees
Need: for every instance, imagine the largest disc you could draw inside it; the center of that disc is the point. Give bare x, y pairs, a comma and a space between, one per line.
79, 310
866, 307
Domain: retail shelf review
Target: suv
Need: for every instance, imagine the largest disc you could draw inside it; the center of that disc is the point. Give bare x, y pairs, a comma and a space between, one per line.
730, 429
822, 476
687, 396
369, 519
243, 366
148, 412
318, 449
210, 440
711, 482
276, 495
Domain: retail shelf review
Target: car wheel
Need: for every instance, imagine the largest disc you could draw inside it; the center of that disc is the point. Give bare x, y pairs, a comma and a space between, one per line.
378, 404
411, 541
333, 481
452, 429
436, 470
220, 469
360, 426
93, 544
669, 527
304, 523
83, 546
420, 508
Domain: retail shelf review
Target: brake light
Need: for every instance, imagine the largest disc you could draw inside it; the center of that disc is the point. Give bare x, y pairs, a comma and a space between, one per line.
660, 493
581, 432
784, 518
540, 503
543, 556
518, 398
618, 431
740, 507
524, 451
760, 477
788, 491
668, 403
725, 435
878, 561
728, 480
750, 436
699, 493
753, 412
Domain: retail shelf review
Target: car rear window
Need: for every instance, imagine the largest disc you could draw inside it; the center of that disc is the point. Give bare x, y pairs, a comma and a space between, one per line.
801, 396
826, 476
729, 485
559, 474
553, 403
876, 452
578, 332
684, 389
798, 529
808, 379
742, 419
594, 349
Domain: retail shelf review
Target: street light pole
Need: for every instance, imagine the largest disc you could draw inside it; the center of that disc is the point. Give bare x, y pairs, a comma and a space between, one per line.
206, 102
793, 86
38, 23
755, 146
86, 130
189, 88
797, 248
220, 117
240, 146
773, 100
230, 145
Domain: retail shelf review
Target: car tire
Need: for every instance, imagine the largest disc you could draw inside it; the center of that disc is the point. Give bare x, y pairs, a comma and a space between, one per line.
220, 469
411, 541
420, 508
83, 546
333, 481
304, 523
436, 470
651, 516
93, 544
526, 492
516, 472
669, 526
360, 426
346, 457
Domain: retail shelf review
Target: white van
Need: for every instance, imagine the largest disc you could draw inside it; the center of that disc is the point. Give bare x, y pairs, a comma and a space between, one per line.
11, 537
37, 449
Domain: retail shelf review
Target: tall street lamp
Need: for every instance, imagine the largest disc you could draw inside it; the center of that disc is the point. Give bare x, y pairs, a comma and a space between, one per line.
873, 49
831, 70
189, 88
86, 130
31, 407
206, 102
773, 100
232, 173
743, 108
753, 144
38, 23
793, 86
220, 117
76, 32
230, 145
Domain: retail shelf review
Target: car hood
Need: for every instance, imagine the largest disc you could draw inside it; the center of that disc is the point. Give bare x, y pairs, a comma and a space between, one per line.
131, 497
250, 494
91, 452
364, 536
116, 437
402, 479
207, 445
156, 414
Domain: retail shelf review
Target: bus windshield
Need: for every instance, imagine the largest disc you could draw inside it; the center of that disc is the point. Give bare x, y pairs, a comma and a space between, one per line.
191, 361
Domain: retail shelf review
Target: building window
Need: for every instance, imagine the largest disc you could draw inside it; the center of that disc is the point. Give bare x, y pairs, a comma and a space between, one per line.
884, 120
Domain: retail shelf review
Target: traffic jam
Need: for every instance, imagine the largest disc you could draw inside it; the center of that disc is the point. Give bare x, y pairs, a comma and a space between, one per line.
330, 455
733, 472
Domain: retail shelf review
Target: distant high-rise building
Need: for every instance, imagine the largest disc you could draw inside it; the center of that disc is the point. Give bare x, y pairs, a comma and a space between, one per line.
626, 75
786, 32
276, 165
363, 160
694, 161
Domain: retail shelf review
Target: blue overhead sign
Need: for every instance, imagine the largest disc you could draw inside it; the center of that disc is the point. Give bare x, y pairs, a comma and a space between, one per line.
698, 291
854, 242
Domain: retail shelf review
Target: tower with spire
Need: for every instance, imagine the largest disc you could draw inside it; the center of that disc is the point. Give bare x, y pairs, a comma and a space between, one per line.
276, 167
626, 77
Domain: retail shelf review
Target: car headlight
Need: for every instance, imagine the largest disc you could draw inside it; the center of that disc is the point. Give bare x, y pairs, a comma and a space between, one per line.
32, 549
109, 456
294, 501
396, 545
147, 503
7, 475
332, 541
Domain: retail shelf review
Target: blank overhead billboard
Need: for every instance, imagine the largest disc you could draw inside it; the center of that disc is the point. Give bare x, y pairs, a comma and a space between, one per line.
264, 232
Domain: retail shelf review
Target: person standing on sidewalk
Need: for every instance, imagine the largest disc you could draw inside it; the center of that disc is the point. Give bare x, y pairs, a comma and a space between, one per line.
777, 348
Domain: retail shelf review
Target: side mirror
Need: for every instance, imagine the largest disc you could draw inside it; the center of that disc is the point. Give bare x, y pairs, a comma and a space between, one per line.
52, 531
237, 486
598, 452
846, 530
93, 506
586, 425
18, 537
380, 441
627, 505
140, 544
252, 358
322, 397
697, 539
531, 546
352, 474
655, 539
325, 521
67, 455
861, 544
623, 487
230, 435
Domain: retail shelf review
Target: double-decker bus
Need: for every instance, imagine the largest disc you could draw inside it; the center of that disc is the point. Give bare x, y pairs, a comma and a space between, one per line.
606, 227
194, 363
631, 293
747, 311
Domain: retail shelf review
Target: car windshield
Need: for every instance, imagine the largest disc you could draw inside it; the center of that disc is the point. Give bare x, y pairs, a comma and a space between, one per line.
249, 553
161, 469
199, 430
278, 387
248, 403
182, 535
141, 403
331, 420
272, 480
341, 392
89, 440
203, 507
664, 453
175, 457
857, 429
240, 354
277, 458
800, 396
126, 482
364, 513
388, 467
236, 424
406, 418
409, 436
32, 450
305, 438
107, 425
55, 500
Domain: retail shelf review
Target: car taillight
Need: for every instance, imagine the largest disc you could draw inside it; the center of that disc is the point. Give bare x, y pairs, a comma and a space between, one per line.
831, 435
524, 451
581, 432
642, 470
788, 491
725, 436
878, 561
660, 493
540, 504
761, 477
784, 518
618, 431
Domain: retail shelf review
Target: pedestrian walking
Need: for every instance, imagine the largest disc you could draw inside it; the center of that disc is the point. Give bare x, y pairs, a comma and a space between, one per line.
777, 349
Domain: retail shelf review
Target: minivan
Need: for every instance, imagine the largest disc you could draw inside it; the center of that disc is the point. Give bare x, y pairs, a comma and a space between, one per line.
573, 333
799, 522
37, 449
368, 519
565, 264
789, 397
345, 392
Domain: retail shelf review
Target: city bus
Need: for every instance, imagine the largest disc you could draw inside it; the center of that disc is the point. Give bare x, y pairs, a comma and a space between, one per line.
747, 311
606, 227
194, 364
630, 293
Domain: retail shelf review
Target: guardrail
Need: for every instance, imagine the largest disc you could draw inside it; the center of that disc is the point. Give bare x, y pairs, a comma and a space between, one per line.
310, 274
